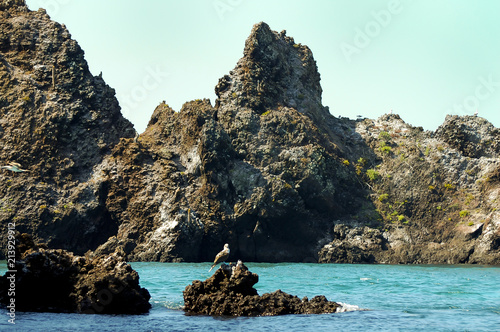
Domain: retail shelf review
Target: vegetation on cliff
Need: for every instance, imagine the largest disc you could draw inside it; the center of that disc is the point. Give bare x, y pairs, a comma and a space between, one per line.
267, 169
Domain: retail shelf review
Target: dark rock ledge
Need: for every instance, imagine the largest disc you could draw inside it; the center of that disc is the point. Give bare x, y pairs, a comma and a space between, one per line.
50, 280
230, 292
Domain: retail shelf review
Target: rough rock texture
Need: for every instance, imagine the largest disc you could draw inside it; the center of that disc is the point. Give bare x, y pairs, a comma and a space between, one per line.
267, 169
261, 170
353, 245
58, 281
230, 292
436, 195
58, 121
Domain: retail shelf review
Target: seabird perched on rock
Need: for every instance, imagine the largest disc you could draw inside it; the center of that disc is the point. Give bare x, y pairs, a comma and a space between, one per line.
14, 167
221, 256
236, 267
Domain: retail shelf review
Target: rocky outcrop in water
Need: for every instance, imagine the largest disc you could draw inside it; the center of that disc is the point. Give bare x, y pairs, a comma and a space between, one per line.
230, 292
267, 169
57, 281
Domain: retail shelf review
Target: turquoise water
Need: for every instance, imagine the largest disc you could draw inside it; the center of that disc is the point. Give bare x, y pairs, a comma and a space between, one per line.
394, 298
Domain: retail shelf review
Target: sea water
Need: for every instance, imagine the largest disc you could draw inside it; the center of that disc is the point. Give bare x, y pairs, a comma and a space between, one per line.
374, 298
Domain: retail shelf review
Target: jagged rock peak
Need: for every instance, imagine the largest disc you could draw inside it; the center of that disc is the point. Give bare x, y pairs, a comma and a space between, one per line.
274, 71
473, 136
59, 122
44, 74
13, 4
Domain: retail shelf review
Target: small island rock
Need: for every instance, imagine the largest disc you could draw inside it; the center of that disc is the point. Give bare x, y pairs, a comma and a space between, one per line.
55, 280
229, 292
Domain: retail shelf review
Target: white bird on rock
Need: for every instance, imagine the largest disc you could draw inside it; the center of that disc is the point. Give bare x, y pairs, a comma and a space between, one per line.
221, 256
14, 167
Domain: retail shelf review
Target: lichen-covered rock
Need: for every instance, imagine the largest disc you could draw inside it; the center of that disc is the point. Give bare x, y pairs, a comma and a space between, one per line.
267, 169
473, 136
436, 195
352, 245
58, 121
58, 281
261, 170
13, 5
230, 292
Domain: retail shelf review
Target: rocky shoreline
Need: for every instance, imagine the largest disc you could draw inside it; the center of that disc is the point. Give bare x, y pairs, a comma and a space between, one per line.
54, 280
229, 292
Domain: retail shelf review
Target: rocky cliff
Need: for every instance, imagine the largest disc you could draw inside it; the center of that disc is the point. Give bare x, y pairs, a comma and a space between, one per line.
267, 169
436, 194
58, 121
262, 170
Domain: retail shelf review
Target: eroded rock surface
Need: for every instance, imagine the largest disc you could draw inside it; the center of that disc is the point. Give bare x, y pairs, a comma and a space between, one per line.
229, 292
435, 194
58, 121
57, 281
266, 169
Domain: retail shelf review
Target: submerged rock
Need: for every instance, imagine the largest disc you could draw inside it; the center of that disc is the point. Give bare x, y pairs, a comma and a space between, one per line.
230, 292
58, 281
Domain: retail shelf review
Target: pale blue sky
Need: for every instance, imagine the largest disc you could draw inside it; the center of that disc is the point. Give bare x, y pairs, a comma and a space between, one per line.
422, 59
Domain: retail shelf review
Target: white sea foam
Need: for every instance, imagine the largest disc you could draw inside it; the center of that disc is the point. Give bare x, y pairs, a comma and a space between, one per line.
345, 307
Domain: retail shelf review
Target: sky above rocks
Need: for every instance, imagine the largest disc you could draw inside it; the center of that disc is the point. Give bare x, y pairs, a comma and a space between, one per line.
420, 59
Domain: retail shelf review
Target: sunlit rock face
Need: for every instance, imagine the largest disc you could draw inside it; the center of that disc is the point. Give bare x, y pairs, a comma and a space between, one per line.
266, 168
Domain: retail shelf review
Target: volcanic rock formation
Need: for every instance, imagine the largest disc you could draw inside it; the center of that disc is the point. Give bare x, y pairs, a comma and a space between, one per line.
267, 169
58, 121
230, 292
58, 281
